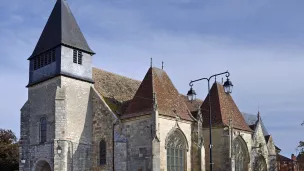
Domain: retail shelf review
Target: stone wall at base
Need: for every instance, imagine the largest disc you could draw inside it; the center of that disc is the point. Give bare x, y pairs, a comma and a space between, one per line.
120, 153
103, 129
139, 143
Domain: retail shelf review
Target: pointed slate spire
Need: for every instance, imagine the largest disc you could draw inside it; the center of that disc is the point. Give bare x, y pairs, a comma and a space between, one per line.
61, 29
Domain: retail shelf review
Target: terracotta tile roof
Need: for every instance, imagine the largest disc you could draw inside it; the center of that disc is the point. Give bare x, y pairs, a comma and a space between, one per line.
168, 99
116, 90
283, 158
222, 106
119, 90
192, 106
300, 157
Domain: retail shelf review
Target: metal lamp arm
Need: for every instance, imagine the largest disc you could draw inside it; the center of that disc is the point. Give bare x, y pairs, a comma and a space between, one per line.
191, 82
208, 79
227, 74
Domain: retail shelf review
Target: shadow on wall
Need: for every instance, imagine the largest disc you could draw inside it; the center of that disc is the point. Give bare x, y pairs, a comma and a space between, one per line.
80, 159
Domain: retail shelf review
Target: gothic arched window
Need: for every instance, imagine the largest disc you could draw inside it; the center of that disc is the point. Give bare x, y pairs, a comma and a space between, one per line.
43, 127
240, 154
176, 145
102, 152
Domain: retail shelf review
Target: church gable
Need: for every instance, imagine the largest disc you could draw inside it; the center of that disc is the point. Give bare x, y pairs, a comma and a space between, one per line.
103, 133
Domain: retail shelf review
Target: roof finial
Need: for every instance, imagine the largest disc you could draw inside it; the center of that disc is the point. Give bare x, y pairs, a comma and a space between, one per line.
151, 62
162, 64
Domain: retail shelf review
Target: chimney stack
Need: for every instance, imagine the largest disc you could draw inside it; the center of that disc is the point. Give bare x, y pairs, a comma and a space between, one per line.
293, 157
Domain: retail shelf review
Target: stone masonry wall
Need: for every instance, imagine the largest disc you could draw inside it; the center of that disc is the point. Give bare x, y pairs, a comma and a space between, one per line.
65, 103
139, 145
258, 138
220, 150
222, 147
103, 120
24, 139
197, 147
120, 152
73, 125
40, 104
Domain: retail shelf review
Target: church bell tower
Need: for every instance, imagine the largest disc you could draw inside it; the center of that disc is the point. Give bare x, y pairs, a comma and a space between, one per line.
61, 49
56, 120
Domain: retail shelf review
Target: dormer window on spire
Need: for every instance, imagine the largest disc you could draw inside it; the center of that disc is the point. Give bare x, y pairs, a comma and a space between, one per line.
77, 57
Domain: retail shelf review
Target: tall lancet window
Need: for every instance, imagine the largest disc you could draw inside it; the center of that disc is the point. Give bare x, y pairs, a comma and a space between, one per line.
241, 155
43, 129
102, 152
176, 145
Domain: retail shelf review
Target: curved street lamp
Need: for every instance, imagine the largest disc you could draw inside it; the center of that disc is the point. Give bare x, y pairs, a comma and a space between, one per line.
192, 96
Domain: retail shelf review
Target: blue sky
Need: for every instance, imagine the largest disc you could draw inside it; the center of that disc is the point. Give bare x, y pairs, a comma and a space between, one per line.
260, 42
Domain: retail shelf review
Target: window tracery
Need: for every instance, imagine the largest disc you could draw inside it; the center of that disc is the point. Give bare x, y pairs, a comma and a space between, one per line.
176, 151
241, 155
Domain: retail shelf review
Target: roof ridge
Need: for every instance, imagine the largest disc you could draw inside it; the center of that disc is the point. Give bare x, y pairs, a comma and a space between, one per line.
220, 105
117, 74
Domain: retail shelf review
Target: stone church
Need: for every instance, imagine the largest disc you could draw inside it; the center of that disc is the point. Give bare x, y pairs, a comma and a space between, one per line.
81, 118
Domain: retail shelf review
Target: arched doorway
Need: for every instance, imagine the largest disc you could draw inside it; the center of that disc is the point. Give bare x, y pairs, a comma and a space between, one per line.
42, 165
176, 145
259, 164
241, 155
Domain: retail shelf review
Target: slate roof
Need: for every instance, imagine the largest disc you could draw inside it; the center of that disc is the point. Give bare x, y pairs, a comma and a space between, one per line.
267, 137
168, 99
223, 107
277, 148
61, 28
252, 119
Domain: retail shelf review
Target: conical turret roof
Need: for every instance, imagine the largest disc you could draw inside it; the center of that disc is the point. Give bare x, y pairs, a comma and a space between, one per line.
61, 29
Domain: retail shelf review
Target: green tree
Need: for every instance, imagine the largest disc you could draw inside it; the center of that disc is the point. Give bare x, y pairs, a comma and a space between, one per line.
301, 144
9, 151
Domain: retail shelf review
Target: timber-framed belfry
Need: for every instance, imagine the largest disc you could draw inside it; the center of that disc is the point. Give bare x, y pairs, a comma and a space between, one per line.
80, 118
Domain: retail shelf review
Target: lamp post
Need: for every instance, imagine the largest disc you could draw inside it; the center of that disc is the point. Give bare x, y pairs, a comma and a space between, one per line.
192, 95
59, 151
